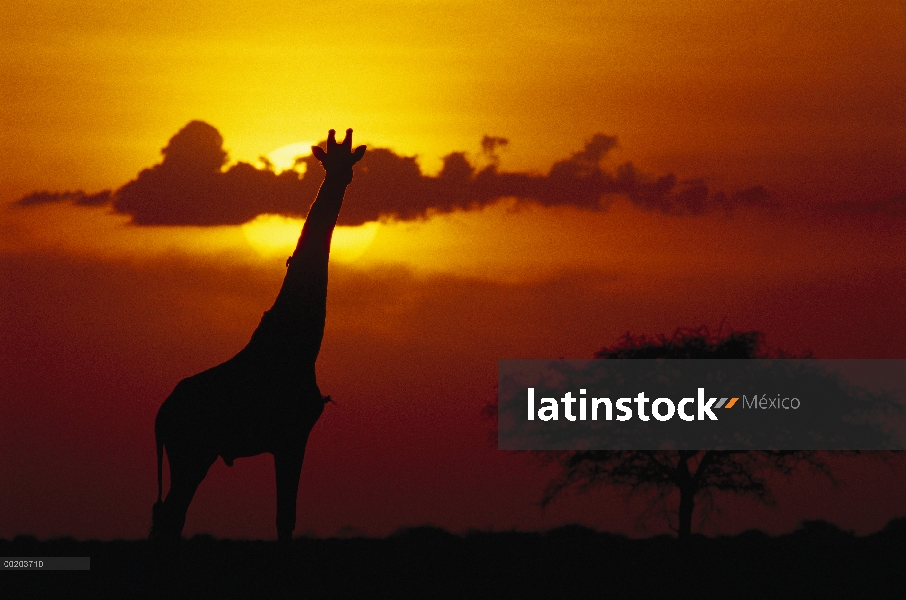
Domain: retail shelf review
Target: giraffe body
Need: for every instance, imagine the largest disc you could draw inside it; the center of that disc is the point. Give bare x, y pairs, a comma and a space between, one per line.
266, 398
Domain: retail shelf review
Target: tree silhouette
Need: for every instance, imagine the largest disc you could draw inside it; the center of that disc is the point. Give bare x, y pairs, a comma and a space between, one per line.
695, 474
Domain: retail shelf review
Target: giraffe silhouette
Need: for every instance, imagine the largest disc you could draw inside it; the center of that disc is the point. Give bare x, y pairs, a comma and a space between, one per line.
266, 398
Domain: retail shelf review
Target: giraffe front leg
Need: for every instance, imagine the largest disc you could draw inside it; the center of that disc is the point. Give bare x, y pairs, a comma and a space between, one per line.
288, 466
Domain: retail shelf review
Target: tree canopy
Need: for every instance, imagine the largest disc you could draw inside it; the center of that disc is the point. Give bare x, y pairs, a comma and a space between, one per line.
695, 474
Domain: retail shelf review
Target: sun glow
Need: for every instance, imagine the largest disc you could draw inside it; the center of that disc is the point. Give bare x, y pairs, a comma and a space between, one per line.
272, 235
284, 157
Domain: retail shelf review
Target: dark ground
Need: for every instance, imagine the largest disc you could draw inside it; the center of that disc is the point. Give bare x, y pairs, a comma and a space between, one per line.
817, 561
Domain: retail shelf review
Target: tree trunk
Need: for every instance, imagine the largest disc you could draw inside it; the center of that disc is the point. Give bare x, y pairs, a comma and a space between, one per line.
687, 485
686, 506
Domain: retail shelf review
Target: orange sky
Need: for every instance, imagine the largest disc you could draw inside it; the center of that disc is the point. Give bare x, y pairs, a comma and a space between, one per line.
786, 94
100, 318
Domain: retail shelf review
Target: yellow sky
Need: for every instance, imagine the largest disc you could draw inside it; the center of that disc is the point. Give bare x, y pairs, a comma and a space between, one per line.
506, 242
789, 94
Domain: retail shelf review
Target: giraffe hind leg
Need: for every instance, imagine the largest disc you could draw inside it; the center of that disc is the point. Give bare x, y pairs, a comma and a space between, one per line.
186, 474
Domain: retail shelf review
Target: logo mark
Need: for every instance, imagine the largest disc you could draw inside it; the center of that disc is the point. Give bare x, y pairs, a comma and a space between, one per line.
729, 404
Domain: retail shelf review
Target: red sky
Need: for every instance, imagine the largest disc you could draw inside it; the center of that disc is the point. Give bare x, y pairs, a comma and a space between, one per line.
99, 318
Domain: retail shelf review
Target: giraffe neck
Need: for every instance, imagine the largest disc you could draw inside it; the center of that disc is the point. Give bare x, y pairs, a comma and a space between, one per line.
292, 330
323, 214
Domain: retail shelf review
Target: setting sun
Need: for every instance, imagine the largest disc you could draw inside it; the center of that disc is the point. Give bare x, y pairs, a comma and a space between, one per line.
284, 157
272, 235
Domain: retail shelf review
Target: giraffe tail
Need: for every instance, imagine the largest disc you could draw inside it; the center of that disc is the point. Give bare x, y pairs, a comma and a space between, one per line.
160, 463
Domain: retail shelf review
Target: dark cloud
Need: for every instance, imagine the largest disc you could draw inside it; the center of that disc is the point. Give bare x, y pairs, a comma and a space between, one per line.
190, 187
895, 206
78, 198
489, 146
